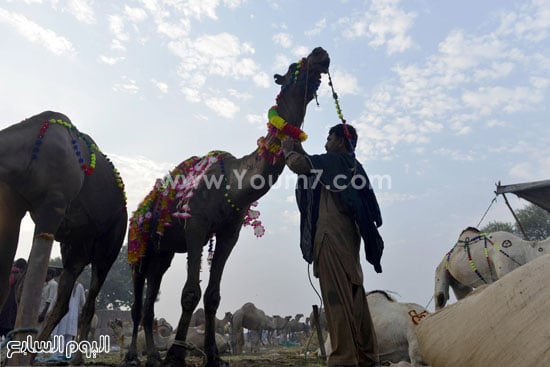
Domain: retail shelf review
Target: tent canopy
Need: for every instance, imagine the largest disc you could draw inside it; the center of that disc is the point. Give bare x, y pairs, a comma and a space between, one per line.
537, 192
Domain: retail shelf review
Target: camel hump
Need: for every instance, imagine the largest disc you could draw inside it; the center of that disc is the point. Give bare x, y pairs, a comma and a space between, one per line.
48, 115
220, 152
249, 306
470, 230
383, 293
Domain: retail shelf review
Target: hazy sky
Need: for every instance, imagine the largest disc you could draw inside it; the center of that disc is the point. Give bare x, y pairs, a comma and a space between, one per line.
448, 97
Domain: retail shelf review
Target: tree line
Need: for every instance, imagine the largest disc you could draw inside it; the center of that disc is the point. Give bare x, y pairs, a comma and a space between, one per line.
534, 220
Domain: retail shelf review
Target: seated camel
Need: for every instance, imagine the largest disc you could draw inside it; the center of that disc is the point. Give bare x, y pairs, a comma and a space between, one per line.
162, 335
222, 326
197, 318
394, 323
482, 258
195, 338
162, 327
93, 327
117, 325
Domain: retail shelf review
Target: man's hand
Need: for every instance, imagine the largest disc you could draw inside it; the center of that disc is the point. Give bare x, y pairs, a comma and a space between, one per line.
292, 145
288, 145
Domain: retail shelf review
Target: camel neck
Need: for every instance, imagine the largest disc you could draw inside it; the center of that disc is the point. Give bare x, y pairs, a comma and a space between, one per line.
250, 177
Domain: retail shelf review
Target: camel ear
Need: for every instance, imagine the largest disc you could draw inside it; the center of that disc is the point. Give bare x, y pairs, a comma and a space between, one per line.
279, 79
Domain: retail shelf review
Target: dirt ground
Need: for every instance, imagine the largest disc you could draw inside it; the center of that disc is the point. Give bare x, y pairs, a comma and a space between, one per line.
273, 356
278, 356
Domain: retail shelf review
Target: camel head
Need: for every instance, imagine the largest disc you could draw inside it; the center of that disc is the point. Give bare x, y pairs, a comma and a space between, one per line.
299, 85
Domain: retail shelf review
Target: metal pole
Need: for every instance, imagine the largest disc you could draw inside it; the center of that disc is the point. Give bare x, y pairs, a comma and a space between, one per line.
525, 237
319, 331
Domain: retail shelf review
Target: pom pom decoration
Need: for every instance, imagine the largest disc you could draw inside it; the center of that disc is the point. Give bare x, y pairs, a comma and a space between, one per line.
251, 219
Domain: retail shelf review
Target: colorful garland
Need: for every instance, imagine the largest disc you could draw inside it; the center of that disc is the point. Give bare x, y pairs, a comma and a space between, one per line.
341, 115
154, 213
252, 219
285, 128
269, 151
93, 149
336, 102
280, 129
277, 126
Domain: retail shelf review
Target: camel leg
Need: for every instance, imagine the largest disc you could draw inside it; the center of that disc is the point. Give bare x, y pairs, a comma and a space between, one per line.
48, 218
11, 214
212, 297
68, 276
71, 270
155, 272
102, 260
442, 283
190, 297
460, 290
27, 313
132, 357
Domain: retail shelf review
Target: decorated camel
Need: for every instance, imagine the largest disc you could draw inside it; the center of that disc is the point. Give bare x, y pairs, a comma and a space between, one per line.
75, 196
479, 258
183, 212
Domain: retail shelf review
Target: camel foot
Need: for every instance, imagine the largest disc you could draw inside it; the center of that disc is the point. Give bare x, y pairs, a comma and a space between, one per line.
153, 360
77, 360
131, 360
175, 357
217, 362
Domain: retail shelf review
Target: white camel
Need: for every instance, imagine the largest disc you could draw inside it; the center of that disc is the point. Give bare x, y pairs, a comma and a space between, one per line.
394, 323
482, 258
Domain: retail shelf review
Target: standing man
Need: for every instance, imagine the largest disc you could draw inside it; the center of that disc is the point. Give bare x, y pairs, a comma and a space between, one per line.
338, 208
49, 295
9, 311
68, 325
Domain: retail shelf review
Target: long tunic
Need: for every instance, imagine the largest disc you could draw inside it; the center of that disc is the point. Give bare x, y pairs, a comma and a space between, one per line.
49, 294
336, 263
69, 323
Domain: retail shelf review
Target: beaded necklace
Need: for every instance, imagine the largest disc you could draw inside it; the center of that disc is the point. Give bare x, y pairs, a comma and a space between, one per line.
252, 216
92, 148
467, 244
349, 138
